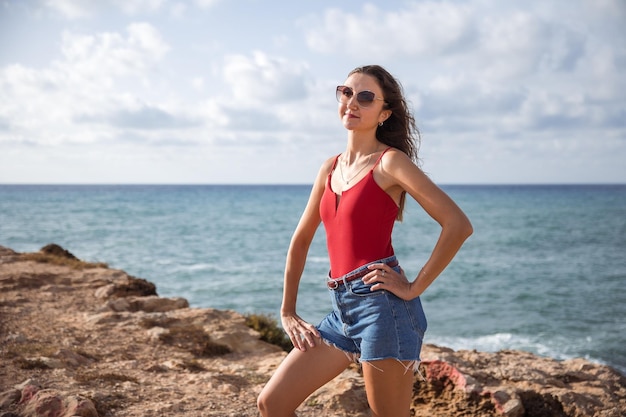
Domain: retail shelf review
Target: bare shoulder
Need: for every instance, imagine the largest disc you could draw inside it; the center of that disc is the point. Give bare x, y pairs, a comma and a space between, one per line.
327, 166
394, 157
323, 172
397, 167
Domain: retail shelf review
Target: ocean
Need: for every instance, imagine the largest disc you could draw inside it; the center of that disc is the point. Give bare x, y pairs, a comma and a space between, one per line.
545, 270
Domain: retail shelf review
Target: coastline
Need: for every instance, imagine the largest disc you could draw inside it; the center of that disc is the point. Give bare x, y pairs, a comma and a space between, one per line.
97, 342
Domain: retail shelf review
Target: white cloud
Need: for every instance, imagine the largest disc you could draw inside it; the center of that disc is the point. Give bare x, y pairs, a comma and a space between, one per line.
113, 55
89, 83
178, 9
198, 83
501, 44
83, 9
263, 79
71, 9
205, 4
133, 7
425, 28
481, 67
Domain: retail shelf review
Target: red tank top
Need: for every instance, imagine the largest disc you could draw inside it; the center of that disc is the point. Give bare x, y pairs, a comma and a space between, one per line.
358, 223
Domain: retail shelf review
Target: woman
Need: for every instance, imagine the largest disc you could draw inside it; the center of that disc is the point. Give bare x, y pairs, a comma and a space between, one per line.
377, 317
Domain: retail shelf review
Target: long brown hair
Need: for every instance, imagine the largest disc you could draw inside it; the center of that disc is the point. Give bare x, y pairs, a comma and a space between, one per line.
399, 130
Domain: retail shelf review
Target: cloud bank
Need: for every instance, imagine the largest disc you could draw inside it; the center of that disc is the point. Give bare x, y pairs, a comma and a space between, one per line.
164, 91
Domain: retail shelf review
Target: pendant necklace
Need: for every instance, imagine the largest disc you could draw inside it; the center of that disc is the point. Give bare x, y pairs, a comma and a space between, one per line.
347, 181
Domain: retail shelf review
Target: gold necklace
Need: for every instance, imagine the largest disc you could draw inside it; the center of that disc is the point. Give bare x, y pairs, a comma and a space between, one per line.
347, 181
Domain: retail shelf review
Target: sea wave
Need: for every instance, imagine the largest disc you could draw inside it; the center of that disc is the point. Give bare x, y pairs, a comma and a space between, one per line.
553, 346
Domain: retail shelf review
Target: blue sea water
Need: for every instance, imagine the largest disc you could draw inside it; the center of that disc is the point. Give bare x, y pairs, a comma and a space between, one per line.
545, 270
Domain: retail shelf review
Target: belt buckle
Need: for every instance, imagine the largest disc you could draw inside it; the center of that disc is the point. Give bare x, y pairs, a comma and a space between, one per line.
333, 285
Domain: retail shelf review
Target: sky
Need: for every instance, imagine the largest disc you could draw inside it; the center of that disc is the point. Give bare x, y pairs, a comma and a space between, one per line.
242, 91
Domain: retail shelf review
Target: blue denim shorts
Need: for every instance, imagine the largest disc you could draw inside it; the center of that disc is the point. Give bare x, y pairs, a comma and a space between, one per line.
373, 325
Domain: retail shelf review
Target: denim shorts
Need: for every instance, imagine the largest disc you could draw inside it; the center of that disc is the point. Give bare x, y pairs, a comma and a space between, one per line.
373, 325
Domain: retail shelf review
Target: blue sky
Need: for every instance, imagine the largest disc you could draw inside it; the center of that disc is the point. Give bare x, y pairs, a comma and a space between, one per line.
242, 91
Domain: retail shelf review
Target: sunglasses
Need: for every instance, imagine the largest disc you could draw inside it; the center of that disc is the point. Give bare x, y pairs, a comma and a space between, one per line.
364, 98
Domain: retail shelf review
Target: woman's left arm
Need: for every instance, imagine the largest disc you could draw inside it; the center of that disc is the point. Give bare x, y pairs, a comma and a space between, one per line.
400, 171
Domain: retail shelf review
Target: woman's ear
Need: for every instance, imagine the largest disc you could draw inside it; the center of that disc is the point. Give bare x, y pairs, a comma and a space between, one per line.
384, 115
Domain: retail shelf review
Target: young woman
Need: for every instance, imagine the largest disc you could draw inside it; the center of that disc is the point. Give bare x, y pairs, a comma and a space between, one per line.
377, 317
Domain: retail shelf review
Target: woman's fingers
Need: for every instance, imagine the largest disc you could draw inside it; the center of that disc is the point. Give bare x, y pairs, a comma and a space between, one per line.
383, 277
301, 333
378, 273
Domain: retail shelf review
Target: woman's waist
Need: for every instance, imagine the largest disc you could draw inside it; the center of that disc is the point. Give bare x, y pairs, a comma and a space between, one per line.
360, 267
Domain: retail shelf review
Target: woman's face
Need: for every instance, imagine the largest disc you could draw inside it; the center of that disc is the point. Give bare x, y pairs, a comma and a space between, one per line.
361, 112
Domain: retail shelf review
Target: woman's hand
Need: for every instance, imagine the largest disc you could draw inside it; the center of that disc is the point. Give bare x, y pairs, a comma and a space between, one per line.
383, 277
301, 333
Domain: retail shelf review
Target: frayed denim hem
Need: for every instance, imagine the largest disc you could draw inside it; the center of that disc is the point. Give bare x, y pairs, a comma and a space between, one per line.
354, 357
409, 366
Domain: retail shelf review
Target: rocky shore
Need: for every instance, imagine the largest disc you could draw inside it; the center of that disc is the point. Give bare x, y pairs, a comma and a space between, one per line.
80, 339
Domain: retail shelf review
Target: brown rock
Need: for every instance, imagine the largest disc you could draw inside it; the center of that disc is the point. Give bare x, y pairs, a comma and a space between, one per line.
9, 398
521, 384
56, 250
50, 403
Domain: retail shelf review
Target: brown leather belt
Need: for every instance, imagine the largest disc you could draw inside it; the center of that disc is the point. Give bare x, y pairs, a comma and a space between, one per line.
335, 283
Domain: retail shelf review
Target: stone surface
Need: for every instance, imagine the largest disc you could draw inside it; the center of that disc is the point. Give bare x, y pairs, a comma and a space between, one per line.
96, 342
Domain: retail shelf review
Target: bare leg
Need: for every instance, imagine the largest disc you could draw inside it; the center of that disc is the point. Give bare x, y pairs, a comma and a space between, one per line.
298, 376
389, 387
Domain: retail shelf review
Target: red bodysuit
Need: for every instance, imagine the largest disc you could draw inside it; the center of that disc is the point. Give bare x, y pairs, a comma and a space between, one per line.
358, 223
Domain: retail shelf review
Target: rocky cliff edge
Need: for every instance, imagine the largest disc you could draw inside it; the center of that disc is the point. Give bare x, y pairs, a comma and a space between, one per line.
80, 339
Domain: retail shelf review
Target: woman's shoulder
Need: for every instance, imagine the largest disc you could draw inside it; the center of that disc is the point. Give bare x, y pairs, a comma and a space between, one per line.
395, 156
396, 166
328, 164
325, 170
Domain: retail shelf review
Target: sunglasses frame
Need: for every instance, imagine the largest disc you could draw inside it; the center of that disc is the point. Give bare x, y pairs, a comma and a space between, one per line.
340, 93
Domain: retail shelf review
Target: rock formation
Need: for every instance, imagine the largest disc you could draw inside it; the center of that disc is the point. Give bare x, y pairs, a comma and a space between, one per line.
79, 339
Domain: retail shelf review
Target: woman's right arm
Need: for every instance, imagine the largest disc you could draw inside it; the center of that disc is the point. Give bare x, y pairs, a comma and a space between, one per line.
296, 259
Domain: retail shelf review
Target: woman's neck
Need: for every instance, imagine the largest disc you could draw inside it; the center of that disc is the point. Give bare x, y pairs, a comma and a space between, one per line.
360, 146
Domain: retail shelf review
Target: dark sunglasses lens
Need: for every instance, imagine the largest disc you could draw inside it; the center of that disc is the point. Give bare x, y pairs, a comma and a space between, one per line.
344, 93
365, 97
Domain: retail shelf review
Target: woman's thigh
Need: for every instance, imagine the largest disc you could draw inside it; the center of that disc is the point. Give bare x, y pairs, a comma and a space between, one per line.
389, 386
299, 375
